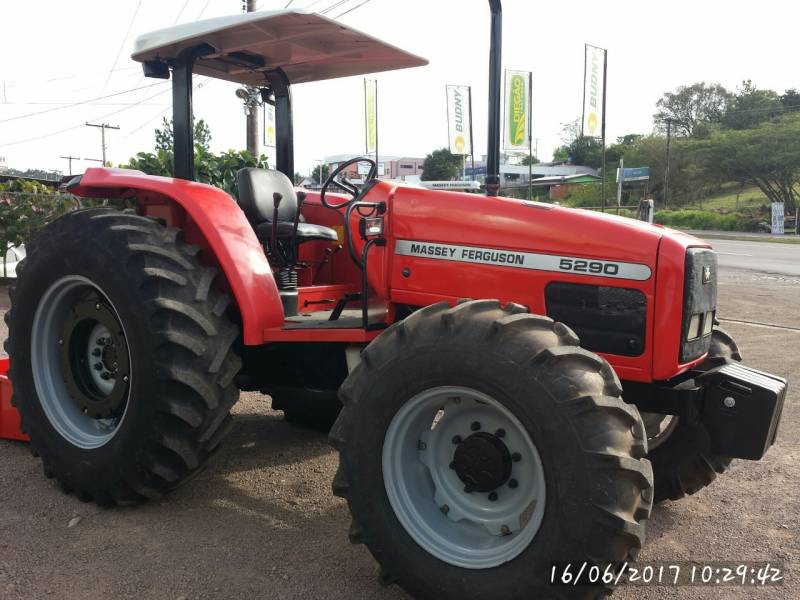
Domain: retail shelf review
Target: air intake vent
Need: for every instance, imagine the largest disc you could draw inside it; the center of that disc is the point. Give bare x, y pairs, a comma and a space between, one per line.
607, 319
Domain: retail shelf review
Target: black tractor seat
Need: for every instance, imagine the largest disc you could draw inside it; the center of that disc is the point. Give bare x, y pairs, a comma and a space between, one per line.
305, 231
257, 188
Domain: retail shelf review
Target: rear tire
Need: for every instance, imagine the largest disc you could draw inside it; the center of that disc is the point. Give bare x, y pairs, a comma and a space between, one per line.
683, 463
562, 407
174, 408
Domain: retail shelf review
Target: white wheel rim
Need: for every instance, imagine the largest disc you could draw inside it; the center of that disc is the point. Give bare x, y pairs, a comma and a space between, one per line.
465, 529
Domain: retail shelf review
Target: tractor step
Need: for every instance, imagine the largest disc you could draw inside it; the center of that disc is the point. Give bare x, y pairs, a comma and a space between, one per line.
9, 417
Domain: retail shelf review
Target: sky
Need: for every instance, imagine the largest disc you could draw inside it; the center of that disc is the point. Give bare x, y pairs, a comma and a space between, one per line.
56, 52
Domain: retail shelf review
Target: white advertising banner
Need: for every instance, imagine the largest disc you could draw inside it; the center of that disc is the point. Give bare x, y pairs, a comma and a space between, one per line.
458, 119
517, 125
778, 214
593, 92
269, 125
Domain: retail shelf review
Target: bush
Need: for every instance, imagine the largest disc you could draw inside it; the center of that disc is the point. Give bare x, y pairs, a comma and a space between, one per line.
703, 219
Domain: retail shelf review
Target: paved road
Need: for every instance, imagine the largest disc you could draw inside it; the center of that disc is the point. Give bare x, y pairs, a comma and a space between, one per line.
774, 259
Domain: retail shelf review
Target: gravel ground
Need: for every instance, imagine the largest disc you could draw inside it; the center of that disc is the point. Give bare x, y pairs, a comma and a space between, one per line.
261, 521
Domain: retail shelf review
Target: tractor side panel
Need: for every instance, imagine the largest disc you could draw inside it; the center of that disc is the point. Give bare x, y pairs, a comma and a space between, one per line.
463, 223
212, 219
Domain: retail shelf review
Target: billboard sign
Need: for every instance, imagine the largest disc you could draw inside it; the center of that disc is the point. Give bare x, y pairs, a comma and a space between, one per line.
517, 125
371, 114
458, 119
593, 91
634, 174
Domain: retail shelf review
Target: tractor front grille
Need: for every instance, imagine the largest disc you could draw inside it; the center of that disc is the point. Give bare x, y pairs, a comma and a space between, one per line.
608, 319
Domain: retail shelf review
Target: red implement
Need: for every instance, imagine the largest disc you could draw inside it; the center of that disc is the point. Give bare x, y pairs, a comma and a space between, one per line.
9, 417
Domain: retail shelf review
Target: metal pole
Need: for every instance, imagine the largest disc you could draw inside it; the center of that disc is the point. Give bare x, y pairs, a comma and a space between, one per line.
583, 106
666, 169
471, 140
530, 136
376, 125
621, 177
495, 67
254, 112
603, 131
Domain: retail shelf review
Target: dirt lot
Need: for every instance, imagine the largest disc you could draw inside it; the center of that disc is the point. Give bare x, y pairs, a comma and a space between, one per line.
261, 521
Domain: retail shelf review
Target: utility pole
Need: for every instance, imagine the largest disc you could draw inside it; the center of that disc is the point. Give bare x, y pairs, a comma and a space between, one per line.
666, 169
70, 159
103, 127
254, 114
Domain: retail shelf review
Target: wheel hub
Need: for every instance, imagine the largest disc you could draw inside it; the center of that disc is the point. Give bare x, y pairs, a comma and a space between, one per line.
482, 462
94, 359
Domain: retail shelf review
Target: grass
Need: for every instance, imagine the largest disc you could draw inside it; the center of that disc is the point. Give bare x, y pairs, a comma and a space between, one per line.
732, 198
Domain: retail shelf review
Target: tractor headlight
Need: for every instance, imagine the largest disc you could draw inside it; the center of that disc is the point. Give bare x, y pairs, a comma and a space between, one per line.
708, 323
694, 327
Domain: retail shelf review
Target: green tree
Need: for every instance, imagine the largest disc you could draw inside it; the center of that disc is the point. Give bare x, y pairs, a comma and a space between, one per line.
441, 165
767, 156
218, 170
691, 105
26, 207
752, 106
320, 173
791, 99
529, 159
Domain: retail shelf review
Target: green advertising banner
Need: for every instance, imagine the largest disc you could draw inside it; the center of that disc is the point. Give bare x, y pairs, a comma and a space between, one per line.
371, 114
517, 125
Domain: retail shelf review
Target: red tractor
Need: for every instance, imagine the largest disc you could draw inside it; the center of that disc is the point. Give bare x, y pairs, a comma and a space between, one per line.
519, 382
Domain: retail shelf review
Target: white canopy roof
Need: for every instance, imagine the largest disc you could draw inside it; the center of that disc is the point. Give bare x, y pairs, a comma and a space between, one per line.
307, 46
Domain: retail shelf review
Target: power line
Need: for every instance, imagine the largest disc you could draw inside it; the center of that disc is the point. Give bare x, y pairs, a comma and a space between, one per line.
180, 12
202, 10
81, 102
60, 131
165, 111
333, 6
122, 44
351, 10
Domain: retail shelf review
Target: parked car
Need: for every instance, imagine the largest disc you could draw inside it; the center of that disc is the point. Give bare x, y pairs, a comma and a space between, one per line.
13, 257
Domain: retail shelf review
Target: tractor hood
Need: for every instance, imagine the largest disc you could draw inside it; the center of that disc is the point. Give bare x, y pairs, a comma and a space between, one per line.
509, 224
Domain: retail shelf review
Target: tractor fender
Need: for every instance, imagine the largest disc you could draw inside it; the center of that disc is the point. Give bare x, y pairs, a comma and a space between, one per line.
219, 223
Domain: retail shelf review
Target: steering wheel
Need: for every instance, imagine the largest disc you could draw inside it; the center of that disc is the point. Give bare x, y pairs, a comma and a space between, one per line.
344, 183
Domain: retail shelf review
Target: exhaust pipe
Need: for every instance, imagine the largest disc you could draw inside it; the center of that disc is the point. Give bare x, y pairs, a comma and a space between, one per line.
495, 66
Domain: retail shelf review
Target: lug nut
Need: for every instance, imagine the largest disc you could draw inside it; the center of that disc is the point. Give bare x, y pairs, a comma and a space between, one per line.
101, 341
500, 433
96, 352
505, 530
98, 366
105, 375
516, 457
60, 342
97, 306
86, 411
456, 439
513, 483
444, 508
422, 445
125, 379
492, 496
475, 426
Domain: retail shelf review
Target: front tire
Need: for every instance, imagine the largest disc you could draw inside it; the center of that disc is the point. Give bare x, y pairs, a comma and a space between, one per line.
544, 424
680, 451
121, 356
